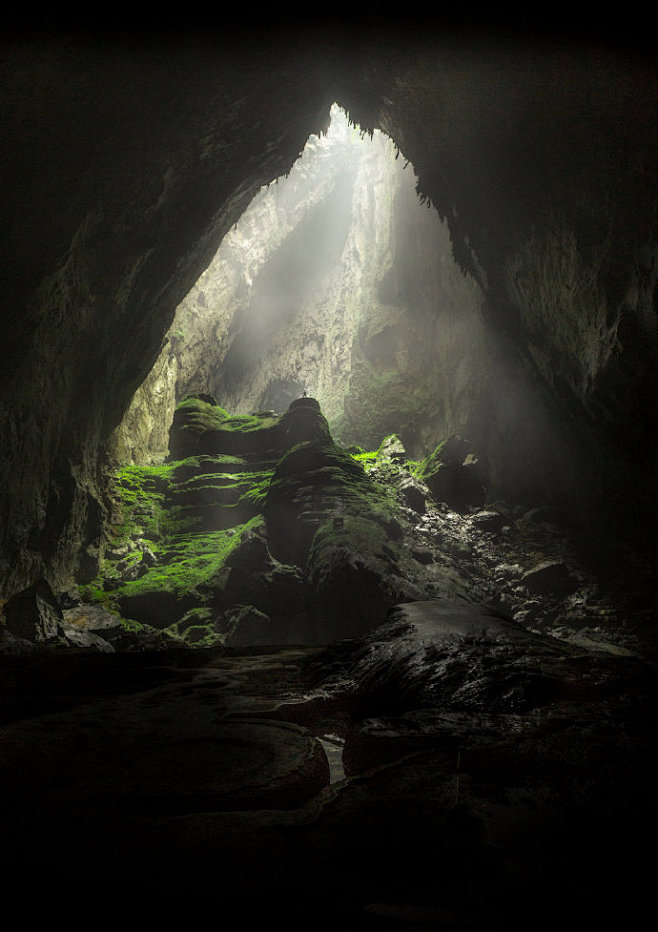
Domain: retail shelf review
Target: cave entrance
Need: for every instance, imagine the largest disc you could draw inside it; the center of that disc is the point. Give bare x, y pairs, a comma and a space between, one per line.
336, 281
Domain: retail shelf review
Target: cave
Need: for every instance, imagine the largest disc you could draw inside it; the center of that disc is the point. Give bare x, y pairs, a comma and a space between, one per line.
326, 574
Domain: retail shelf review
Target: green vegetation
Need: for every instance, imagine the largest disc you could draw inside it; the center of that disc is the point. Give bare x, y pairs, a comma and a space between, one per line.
196, 537
199, 415
247, 423
431, 463
366, 459
192, 561
189, 516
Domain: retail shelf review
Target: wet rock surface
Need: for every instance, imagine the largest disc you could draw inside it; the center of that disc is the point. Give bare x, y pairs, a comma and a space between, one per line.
449, 770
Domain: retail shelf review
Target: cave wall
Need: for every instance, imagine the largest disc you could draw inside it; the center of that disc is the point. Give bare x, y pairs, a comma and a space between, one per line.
542, 158
116, 205
125, 163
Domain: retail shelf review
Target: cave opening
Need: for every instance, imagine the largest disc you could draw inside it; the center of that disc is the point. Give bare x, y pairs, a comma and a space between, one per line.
336, 282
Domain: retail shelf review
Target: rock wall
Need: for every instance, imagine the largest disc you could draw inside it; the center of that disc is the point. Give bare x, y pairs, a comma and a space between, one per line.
542, 161
129, 160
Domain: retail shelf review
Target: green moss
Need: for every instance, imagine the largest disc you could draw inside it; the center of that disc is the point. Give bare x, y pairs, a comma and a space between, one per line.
130, 625
201, 413
142, 491
190, 513
196, 627
247, 423
203, 636
256, 493
190, 561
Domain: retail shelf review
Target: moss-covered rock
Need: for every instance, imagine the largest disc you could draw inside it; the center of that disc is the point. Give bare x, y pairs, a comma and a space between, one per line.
354, 577
193, 417
247, 625
313, 483
279, 519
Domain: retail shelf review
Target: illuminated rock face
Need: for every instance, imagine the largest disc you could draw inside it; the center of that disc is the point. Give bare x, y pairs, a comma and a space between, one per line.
336, 280
126, 166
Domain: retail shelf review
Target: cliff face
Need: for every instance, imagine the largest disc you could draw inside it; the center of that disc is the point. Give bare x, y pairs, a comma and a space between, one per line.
127, 164
543, 163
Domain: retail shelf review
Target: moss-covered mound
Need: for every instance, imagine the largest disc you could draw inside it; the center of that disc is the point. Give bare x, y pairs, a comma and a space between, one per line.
193, 417
317, 482
200, 426
268, 532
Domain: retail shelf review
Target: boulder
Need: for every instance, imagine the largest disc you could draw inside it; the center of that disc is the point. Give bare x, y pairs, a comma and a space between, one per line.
452, 475
84, 640
392, 449
414, 494
491, 521
552, 577
248, 626
34, 614
458, 485
252, 576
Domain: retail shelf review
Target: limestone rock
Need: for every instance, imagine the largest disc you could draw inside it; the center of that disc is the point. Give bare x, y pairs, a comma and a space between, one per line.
491, 521
414, 494
247, 625
84, 640
437, 648
252, 576
34, 613
550, 578
422, 554
452, 475
313, 481
193, 417
459, 486
304, 421
392, 448
354, 578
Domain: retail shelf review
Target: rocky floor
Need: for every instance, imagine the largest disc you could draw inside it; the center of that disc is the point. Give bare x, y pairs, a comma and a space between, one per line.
578, 584
451, 770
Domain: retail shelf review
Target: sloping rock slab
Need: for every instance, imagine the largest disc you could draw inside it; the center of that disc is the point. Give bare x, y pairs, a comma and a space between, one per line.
34, 613
454, 656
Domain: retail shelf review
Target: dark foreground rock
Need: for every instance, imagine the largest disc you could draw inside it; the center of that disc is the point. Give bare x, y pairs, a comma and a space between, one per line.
34, 613
480, 777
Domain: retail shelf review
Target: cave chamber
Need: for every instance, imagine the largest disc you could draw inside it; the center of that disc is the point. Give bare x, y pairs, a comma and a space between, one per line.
328, 486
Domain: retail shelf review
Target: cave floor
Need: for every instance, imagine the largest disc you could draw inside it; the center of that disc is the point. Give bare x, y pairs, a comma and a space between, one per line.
426, 777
